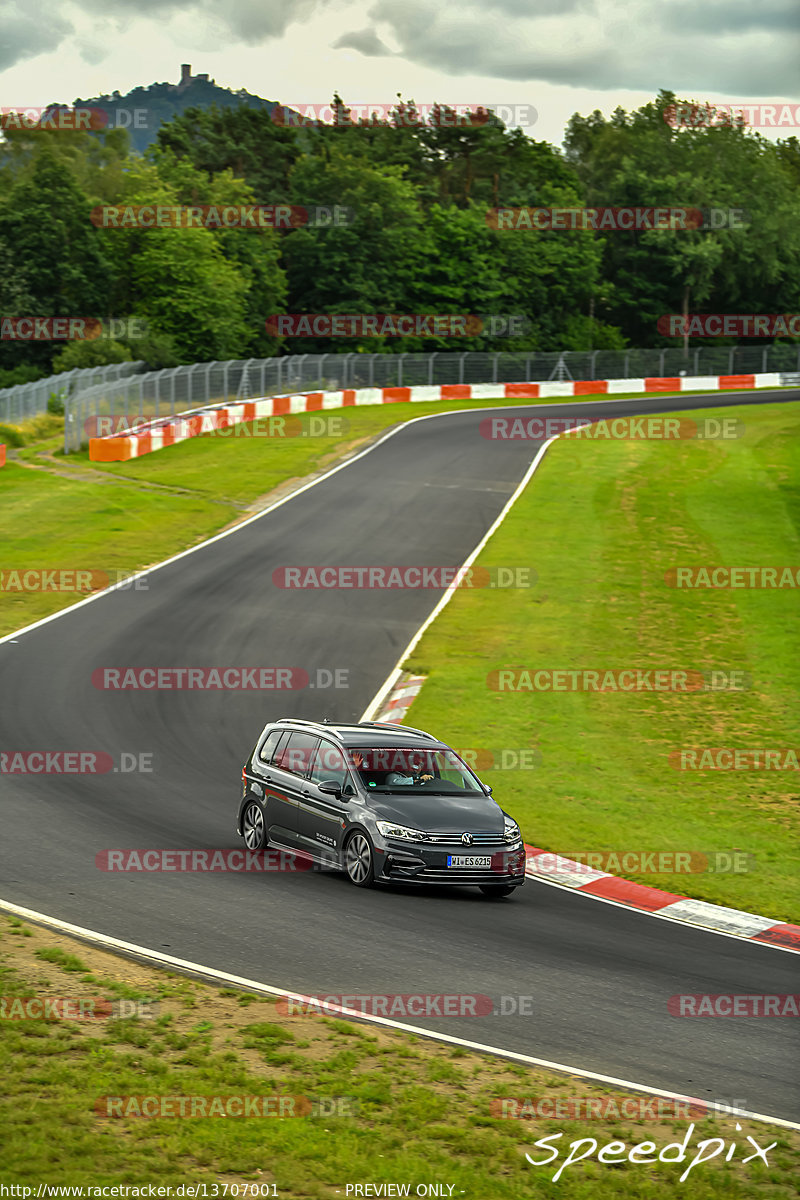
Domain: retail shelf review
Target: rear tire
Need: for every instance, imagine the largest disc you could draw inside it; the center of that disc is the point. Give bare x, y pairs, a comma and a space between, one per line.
254, 826
496, 891
359, 860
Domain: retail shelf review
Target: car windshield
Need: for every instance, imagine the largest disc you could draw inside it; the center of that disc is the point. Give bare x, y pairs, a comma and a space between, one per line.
391, 769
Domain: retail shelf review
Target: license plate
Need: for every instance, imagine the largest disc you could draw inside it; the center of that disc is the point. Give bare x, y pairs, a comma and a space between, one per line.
469, 860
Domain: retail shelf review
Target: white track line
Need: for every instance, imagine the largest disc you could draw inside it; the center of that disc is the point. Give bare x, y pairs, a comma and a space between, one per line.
379, 699
376, 703
222, 977
11, 637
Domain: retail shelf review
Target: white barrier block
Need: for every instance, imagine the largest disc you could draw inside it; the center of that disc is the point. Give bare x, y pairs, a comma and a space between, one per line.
486, 391
426, 392
554, 387
699, 383
369, 396
625, 385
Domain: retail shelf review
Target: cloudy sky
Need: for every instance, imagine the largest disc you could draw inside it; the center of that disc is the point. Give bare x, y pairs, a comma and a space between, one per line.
556, 56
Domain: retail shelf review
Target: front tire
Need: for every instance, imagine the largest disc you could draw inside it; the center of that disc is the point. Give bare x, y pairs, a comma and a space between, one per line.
496, 891
359, 860
254, 826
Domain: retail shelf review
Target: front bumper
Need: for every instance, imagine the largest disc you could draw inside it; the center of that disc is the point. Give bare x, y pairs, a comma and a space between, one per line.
417, 864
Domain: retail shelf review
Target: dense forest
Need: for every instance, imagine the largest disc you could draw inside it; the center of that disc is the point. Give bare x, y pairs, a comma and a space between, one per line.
419, 234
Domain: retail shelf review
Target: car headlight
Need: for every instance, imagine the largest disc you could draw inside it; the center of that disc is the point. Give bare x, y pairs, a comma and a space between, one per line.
390, 830
511, 832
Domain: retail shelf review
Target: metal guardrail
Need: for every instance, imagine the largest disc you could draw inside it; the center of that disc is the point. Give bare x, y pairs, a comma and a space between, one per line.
166, 393
27, 400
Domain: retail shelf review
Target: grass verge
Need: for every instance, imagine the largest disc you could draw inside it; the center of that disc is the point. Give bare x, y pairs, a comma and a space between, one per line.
601, 523
418, 1113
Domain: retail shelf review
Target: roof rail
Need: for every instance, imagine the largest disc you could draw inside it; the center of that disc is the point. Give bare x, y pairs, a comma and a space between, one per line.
400, 726
299, 721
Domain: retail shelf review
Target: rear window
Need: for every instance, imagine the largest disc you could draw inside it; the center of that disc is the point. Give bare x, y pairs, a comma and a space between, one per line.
295, 755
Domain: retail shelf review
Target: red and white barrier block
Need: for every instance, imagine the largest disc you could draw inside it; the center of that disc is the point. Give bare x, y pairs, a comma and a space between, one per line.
554, 868
154, 435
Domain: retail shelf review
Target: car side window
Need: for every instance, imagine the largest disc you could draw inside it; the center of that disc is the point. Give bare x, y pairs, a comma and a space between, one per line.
267, 751
329, 765
296, 755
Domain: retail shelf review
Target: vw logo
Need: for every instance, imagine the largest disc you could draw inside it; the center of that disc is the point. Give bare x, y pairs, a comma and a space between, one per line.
467, 839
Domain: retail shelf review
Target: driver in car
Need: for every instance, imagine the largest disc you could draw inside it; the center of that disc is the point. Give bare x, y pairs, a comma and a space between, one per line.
411, 776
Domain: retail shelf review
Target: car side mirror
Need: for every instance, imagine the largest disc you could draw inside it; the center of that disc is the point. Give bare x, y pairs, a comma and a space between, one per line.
487, 787
331, 788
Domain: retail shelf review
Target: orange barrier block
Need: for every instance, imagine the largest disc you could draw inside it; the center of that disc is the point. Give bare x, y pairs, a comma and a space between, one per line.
737, 381
456, 391
667, 384
392, 394
589, 387
521, 389
109, 449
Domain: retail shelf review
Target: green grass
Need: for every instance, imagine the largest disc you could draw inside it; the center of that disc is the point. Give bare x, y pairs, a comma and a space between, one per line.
601, 522
66, 512
414, 1112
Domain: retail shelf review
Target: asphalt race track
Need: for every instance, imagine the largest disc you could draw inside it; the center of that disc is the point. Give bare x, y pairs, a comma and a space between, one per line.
600, 975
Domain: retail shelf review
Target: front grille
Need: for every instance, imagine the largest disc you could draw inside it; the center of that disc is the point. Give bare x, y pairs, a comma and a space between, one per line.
454, 839
466, 875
